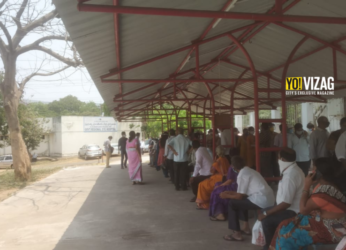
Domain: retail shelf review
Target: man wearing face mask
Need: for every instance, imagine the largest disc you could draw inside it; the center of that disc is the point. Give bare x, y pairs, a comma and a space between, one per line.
318, 140
288, 196
299, 142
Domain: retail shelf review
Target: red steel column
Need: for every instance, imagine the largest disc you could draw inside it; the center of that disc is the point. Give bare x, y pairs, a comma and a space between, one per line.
254, 75
283, 85
211, 101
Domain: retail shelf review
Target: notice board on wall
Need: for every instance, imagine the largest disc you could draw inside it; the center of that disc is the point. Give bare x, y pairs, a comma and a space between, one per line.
223, 121
100, 124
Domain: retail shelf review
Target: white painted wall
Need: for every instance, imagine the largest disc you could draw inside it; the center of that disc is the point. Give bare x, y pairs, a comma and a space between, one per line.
73, 136
66, 135
238, 122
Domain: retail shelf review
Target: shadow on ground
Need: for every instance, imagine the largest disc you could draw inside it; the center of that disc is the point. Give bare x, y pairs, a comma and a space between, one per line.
119, 215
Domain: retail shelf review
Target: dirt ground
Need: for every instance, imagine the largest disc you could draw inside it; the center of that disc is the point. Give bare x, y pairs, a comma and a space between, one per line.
42, 169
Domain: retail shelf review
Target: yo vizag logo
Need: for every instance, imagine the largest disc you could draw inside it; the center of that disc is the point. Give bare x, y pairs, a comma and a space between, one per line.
312, 85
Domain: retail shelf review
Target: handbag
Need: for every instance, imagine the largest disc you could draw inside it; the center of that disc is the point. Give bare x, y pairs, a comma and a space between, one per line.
258, 234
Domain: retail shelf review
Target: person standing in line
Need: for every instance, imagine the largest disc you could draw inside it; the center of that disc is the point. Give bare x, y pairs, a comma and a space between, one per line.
180, 146
334, 136
265, 141
242, 144
152, 151
135, 159
202, 167
278, 141
169, 155
161, 154
288, 196
108, 150
142, 146
122, 148
299, 142
209, 141
310, 128
226, 140
318, 140
251, 144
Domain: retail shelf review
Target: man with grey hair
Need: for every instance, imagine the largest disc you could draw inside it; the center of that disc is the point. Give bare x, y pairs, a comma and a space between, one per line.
318, 140
180, 146
108, 150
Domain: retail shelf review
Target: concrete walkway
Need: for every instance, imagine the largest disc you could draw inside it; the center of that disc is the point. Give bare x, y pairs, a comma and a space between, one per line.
89, 208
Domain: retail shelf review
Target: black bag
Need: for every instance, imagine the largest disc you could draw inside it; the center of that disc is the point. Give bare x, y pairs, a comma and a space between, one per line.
111, 149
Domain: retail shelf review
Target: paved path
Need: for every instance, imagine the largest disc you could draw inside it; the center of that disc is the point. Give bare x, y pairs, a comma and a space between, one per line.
93, 208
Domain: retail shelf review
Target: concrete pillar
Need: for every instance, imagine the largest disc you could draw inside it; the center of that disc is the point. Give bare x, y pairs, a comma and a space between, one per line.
252, 119
238, 122
307, 114
275, 114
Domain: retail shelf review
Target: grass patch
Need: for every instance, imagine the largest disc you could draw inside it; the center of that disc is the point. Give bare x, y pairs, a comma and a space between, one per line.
8, 182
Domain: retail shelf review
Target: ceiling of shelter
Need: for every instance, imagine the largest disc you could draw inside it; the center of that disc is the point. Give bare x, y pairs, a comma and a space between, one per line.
145, 37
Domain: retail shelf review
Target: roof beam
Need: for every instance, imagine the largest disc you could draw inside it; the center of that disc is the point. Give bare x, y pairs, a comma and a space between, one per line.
115, 71
208, 14
174, 80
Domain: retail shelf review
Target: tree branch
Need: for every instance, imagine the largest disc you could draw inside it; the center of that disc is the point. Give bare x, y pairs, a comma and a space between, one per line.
20, 33
68, 61
3, 3
21, 10
33, 45
8, 36
28, 78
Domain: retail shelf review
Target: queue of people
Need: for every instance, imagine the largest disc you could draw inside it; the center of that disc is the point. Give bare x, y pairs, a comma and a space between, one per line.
307, 204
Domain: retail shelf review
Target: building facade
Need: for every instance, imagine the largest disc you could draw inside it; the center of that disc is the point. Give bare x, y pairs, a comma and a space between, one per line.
67, 134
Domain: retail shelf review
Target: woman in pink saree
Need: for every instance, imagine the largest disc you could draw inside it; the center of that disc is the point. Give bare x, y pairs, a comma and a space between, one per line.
134, 158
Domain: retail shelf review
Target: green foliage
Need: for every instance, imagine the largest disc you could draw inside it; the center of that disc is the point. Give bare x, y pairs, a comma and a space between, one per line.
69, 106
154, 128
32, 127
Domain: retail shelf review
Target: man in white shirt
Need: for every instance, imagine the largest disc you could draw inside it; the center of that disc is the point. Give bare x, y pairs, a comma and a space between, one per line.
288, 196
253, 193
202, 167
299, 142
108, 150
318, 140
180, 146
169, 155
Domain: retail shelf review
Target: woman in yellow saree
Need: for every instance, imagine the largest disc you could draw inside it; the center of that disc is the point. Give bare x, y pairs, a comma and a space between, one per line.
218, 170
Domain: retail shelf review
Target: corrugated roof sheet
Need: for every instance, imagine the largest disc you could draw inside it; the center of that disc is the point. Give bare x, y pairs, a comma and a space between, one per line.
143, 37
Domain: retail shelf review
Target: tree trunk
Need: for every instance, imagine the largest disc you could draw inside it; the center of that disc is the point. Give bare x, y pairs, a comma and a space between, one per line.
11, 95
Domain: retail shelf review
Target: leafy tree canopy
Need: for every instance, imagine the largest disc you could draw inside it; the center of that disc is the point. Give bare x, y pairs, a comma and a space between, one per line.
69, 106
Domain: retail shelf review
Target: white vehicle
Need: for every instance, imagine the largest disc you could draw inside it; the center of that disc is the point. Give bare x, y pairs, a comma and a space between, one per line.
6, 161
90, 151
116, 148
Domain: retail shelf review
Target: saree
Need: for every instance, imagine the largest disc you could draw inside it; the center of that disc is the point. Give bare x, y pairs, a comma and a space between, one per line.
135, 165
303, 230
251, 154
206, 187
218, 205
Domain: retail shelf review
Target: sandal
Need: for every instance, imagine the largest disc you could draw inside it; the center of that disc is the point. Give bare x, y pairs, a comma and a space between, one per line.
215, 219
231, 238
246, 233
200, 208
134, 183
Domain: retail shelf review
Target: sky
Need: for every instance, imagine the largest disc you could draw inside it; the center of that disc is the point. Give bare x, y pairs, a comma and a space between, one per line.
76, 82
